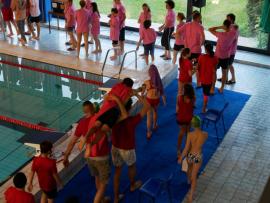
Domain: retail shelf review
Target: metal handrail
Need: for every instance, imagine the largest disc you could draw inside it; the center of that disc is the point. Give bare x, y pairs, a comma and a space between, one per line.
123, 61
106, 57
2, 25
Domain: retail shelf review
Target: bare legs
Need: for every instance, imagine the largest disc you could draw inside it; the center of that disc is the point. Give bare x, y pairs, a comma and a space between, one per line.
231, 68
146, 58
175, 53
223, 79
79, 37
122, 47
183, 131
73, 40
151, 121
193, 170
98, 45
101, 187
44, 199
31, 28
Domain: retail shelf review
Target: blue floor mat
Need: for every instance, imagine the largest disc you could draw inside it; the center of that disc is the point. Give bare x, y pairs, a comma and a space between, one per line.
157, 158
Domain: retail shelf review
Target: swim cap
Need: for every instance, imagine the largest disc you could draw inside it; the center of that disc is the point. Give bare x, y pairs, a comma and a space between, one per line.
196, 122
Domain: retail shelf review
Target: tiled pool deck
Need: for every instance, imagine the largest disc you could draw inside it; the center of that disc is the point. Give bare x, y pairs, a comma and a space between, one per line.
240, 168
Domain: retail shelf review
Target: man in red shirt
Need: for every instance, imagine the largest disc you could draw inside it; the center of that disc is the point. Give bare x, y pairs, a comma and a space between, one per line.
81, 129
123, 149
18, 194
46, 170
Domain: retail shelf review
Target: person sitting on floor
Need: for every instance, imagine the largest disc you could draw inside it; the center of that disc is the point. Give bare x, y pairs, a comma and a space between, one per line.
123, 147
18, 194
193, 153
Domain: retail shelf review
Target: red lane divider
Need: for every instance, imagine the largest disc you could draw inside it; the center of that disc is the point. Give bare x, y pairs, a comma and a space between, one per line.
25, 124
93, 82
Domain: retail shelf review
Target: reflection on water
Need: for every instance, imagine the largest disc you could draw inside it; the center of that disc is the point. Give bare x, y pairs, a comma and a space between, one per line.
38, 97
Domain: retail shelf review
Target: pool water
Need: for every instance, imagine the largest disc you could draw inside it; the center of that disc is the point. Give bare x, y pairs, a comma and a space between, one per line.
36, 97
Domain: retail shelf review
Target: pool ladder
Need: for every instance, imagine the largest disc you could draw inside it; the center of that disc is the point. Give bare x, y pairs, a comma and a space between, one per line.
2, 25
123, 60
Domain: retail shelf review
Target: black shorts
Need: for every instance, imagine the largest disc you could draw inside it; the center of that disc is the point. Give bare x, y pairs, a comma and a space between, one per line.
70, 29
182, 123
51, 194
149, 49
223, 63
34, 19
110, 117
178, 47
231, 60
194, 56
206, 89
114, 42
122, 35
166, 38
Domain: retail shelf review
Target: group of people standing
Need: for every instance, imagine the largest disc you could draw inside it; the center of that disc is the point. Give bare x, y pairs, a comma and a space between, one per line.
25, 12
114, 120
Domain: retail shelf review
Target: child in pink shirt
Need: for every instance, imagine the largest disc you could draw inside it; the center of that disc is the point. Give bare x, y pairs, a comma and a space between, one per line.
145, 15
70, 23
148, 36
122, 17
95, 27
179, 37
114, 30
82, 18
88, 6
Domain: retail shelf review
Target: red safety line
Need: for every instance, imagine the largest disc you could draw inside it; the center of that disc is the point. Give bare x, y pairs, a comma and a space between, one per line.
93, 82
25, 124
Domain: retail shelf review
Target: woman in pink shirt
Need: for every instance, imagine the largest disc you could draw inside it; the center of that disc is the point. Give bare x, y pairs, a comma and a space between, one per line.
168, 28
179, 37
225, 41
148, 36
82, 18
114, 30
95, 27
70, 23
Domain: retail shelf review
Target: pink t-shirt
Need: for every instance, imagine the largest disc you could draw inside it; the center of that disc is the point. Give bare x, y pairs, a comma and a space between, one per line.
235, 42
179, 38
114, 28
143, 17
170, 18
70, 16
95, 22
121, 13
224, 44
194, 32
148, 36
82, 18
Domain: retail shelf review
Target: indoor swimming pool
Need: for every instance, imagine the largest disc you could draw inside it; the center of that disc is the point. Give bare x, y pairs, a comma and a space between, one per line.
37, 93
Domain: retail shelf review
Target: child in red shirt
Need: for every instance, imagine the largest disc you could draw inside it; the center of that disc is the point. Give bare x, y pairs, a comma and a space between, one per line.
185, 106
207, 64
17, 194
109, 112
46, 170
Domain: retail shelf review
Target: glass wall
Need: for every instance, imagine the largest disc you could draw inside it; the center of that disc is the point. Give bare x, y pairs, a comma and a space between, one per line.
247, 13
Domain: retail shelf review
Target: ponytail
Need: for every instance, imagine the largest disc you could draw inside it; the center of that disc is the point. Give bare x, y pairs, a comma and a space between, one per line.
209, 49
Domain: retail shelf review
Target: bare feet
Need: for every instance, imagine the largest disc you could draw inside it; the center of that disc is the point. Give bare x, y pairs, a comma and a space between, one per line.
155, 127
95, 52
100, 50
119, 199
220, 90
113, 58
135, 186
149, 135
189, 198
10, 35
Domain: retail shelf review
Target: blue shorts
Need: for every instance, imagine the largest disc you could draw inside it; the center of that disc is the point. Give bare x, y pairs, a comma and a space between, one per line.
149, 49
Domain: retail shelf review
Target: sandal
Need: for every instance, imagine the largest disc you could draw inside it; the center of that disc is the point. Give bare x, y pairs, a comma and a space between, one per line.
230, 82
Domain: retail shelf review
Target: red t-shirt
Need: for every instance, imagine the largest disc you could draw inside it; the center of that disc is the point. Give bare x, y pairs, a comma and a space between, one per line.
185, 67
82, 126
185, 110
45, 168
123, 133
14, 195
207, 68
121, 91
